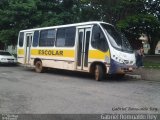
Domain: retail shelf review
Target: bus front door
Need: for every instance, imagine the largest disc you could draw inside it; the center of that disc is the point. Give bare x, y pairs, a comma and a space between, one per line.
29, 37
84, 35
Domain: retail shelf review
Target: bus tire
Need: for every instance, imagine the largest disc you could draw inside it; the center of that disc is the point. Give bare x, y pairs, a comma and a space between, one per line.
99, 73
38, 67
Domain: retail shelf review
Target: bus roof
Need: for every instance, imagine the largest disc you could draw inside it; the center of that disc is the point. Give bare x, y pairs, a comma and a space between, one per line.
67, 25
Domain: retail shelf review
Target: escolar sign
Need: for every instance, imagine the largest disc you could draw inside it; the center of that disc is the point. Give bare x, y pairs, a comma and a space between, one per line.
50, 52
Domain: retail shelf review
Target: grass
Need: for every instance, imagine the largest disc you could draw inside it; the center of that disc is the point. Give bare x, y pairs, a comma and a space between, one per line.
151, 64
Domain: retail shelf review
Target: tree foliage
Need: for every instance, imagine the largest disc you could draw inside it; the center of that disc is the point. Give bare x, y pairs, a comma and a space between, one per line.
145, 20
132, 17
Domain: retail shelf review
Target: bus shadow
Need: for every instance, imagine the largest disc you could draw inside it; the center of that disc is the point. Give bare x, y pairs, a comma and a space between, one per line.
81, 75
86, 76
115, 78
68, 73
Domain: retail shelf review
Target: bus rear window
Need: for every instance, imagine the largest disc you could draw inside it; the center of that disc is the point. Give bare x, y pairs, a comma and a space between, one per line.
21, 39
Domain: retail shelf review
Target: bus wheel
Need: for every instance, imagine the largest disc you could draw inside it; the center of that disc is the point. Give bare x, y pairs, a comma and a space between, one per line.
99, 73
38, 67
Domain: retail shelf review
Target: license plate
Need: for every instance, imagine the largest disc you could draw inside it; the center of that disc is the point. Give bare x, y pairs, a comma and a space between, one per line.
130, 69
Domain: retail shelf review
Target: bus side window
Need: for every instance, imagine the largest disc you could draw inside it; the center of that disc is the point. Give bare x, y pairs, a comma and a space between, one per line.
47, 38
65, 37
98, 39
70, 36
35, 38
60, 42
21, 39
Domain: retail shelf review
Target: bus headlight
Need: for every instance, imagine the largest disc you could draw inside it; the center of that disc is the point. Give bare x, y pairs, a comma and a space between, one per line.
118, 59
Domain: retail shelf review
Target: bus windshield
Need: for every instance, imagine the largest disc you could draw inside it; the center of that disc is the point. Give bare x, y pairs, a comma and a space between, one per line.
117, 40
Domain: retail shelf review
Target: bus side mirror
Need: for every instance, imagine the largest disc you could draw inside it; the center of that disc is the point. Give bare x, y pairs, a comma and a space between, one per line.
97, 36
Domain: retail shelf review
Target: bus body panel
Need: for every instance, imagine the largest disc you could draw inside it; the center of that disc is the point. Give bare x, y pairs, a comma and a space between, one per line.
62, 58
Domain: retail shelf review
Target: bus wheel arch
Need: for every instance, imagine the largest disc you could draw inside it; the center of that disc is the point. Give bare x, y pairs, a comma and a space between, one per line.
38, 65
98, 69
36, 59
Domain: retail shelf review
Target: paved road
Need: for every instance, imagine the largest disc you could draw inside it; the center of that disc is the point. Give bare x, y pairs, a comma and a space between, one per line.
24, 91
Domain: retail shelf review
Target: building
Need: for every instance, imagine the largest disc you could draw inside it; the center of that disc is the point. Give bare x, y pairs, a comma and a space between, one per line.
144, 40
157, 50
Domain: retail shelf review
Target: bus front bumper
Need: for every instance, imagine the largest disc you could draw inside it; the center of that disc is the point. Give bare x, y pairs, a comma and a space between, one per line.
120, 68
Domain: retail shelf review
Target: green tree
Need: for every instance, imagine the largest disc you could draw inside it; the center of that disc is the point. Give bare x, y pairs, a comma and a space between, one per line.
103, 10
153, 7
133, 17
146, 21
15, 15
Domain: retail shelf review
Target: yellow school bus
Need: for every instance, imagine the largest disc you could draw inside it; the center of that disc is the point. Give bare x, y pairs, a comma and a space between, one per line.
95, 47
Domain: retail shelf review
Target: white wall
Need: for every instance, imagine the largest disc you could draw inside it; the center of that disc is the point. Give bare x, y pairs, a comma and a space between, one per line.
157, 50
12, 49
